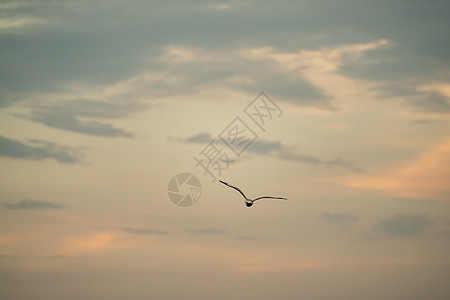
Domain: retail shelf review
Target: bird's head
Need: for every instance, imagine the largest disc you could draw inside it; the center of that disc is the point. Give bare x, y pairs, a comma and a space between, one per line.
249, 203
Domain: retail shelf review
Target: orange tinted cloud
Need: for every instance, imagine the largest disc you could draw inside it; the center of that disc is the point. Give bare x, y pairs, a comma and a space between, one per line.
428, 176
87, 244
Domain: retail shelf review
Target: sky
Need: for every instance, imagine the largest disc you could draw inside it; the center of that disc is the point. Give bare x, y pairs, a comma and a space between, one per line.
340, 106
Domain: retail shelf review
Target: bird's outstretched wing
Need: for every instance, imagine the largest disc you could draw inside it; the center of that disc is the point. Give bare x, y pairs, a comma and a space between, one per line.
269, 197
233, 187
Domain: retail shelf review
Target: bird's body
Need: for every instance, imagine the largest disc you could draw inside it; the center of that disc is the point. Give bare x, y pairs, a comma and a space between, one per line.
248, 201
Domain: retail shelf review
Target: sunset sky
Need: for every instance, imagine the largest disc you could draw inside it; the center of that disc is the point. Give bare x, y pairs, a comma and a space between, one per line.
103, 102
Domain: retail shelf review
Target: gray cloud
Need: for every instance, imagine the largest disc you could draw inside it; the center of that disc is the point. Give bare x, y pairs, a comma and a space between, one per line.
258, 146
31, 204
264, 147
71, 115
312, 160
70, 123
88, 108
404, 225
415, 57
39, 150
340, 218
78, 42
422, 122
207, 231
277, 149
431, 102
201, 138
144, 231
80, 54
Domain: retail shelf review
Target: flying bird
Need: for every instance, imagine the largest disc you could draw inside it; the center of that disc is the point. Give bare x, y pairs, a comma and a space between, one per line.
248, 201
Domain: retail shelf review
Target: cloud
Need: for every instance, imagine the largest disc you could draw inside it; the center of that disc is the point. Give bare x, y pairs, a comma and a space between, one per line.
68, 50
340, 218
98, 58
431, 102
70, 123
426, 176
199, 69
422, 122
421, 96
80, 116
264, 147
312, 160
144, 231
18, 23
13, 17
39, 150
319, 68
404, 225
13, 5
201, 138
207, 231
277, 149
97, 242
31, 204
396, 73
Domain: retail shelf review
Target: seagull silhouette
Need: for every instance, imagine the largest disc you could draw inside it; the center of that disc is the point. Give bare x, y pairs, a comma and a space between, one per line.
248, 201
